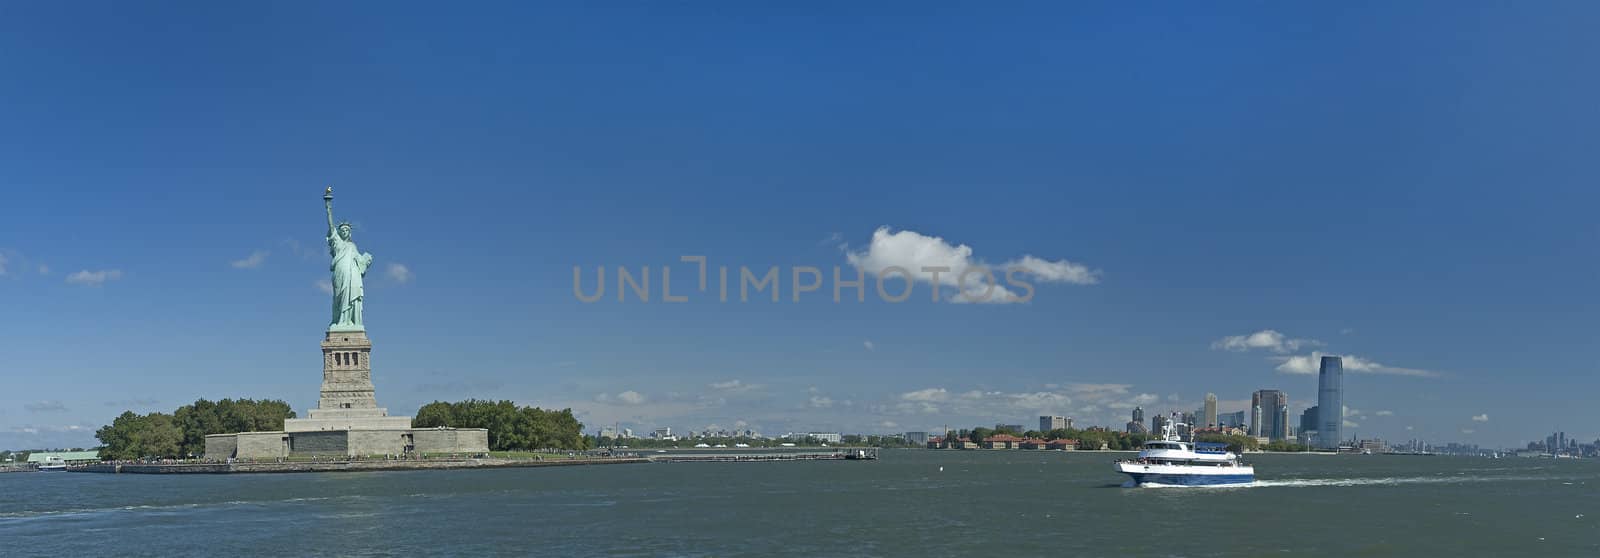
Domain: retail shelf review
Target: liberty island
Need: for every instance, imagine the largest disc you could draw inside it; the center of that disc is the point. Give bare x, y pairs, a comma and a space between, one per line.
347, 421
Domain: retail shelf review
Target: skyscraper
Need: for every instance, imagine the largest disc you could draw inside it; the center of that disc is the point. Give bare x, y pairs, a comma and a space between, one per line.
1208, 419
1136, 426
1270, 408
1330, 402
1308, 425
1231, 420
1048, 423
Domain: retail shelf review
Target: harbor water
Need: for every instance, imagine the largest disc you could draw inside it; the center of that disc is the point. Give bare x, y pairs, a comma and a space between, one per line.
909, 503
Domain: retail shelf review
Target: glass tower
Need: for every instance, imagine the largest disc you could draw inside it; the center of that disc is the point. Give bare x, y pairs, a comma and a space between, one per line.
1330, 402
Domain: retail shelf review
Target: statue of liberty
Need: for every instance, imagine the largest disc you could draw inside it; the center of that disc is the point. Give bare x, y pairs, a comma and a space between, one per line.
348, 267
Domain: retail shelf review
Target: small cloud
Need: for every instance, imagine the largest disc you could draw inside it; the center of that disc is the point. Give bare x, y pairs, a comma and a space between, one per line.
1351, 424
1411, 428
94, 278
888, 424
1385, 413
1311, 364
324, 285
399, 273
1481, 418
930, 394
1347, 331
299, 250
631, 397
1467, 431
820, 402
45, 407
868, 344
44, 269
255, 260
1059, 271
907, 253
732, 386
1268, 339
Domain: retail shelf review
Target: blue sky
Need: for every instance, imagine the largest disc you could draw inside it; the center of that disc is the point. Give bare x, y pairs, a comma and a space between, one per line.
1410, 184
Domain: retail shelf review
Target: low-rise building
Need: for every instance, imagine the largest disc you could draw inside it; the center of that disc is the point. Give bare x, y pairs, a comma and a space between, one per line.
68, 457
1002, 441
1062, 444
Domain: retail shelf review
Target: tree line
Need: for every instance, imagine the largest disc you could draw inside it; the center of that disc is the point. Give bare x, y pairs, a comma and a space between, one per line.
510, 427
873, 440
182, 433
1091, 439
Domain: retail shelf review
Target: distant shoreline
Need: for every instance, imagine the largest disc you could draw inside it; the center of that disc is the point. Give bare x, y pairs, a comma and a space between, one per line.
340, 466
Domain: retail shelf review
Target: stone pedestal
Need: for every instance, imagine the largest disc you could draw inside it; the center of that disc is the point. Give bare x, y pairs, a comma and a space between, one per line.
347, 401
347, 421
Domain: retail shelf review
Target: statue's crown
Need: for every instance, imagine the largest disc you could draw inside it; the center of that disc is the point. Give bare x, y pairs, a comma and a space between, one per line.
344, 224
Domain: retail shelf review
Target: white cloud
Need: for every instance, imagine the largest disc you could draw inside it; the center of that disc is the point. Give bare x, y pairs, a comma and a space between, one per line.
94, 278
1481, 418
1087, 403
1467, 431
1082, 390
629, 397
399, 273
255, 260
732, 386
888, 424
868, 344
45, 407
1059, 271
1309, 364
1268, 339
820, 402
1385, 413
1349, 424
930, 394
44, 269
912, 251
325, 286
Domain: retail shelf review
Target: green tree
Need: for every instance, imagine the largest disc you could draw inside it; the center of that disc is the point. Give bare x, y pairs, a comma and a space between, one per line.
133, 436
510, 427
979, 434
437, 413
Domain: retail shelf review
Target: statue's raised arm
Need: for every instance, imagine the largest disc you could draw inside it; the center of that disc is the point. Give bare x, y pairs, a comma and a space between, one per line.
327, 201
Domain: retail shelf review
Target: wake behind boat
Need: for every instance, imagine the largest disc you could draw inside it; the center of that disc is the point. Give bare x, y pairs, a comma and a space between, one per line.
1170, 461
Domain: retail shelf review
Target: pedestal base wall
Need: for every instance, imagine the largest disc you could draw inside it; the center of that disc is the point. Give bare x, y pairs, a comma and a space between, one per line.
261, 446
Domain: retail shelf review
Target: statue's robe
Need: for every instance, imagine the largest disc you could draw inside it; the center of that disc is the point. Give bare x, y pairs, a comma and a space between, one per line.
349, 265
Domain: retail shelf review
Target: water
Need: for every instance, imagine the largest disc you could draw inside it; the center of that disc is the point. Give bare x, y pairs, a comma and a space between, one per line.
982, 504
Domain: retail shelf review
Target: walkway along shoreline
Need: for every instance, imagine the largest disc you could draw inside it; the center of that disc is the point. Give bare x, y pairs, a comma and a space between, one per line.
427, 464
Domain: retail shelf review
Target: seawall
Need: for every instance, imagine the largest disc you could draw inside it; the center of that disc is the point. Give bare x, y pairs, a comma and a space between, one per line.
339, 466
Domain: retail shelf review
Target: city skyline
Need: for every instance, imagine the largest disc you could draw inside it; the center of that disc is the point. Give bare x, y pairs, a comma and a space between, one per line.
1200, 204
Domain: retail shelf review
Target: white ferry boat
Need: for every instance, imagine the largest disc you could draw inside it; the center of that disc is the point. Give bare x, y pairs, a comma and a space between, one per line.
1171, 461
52, 463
